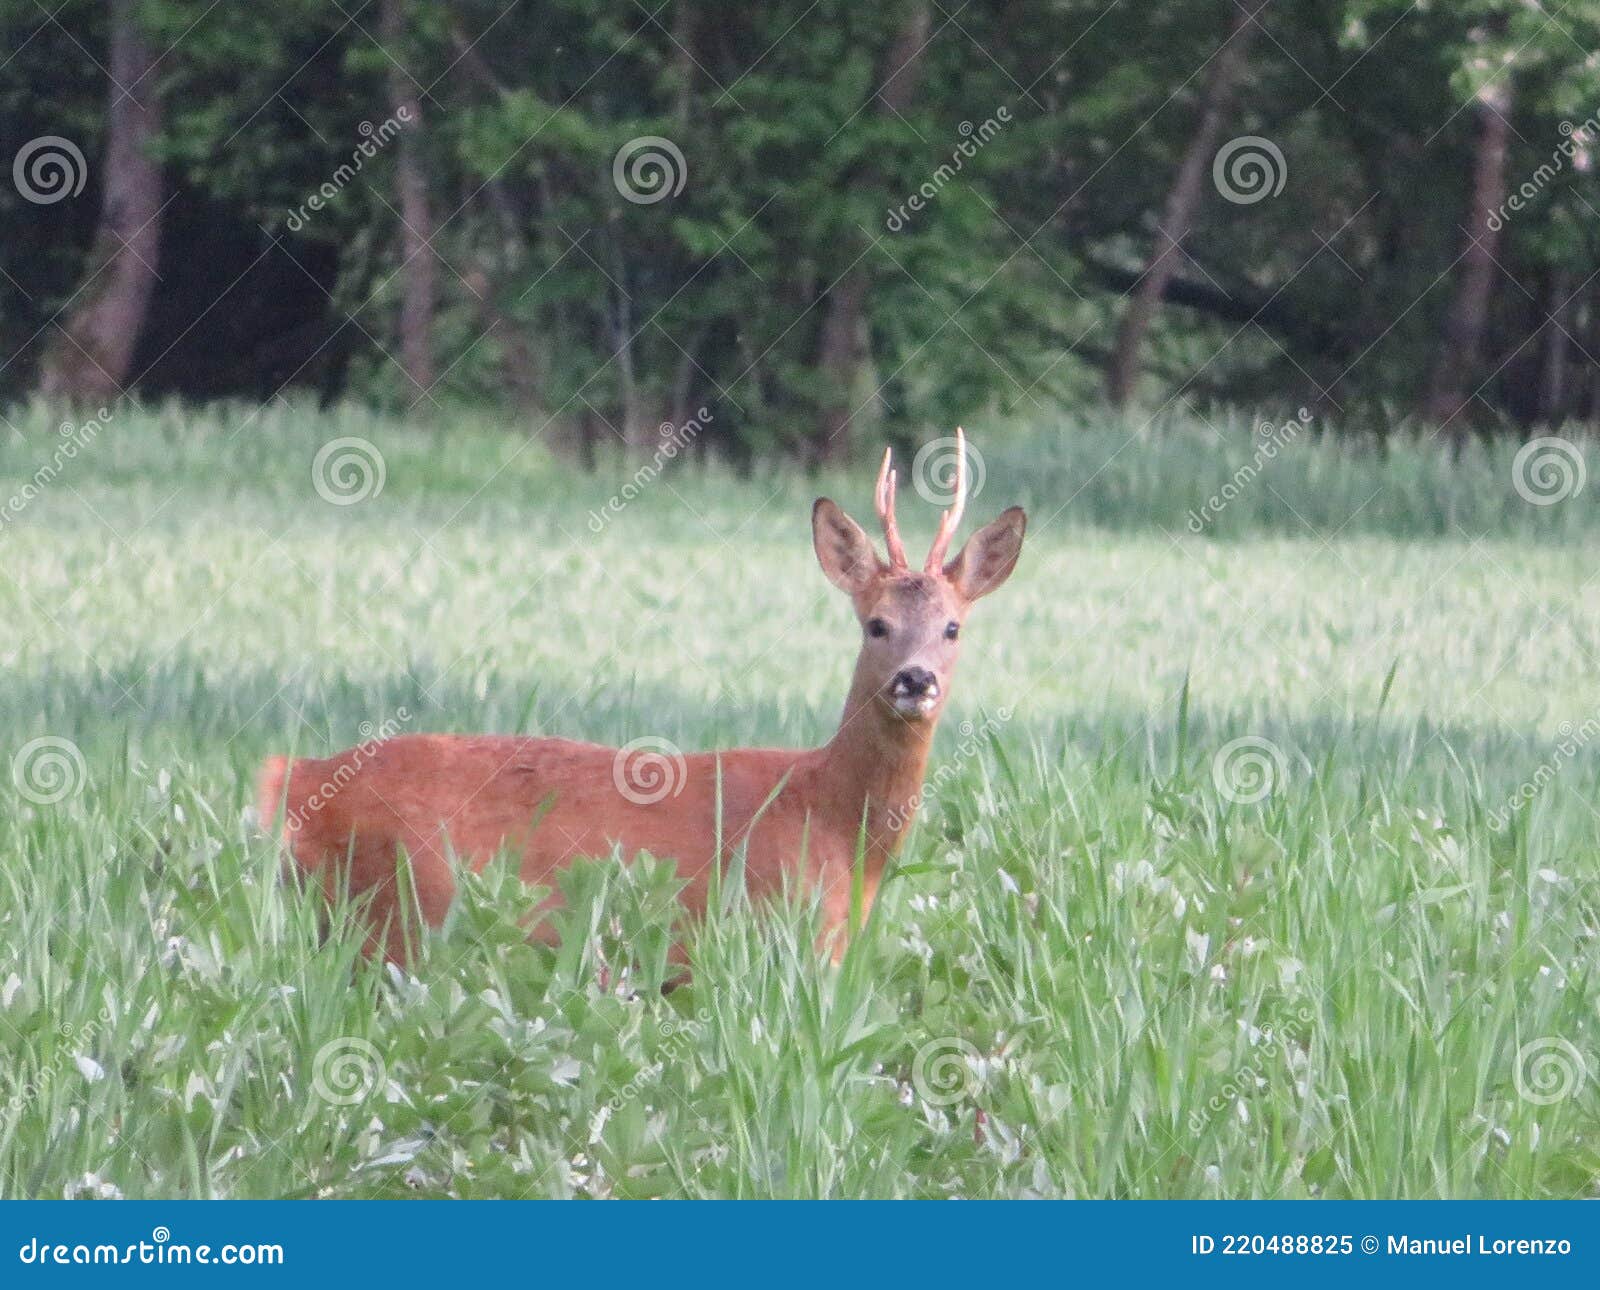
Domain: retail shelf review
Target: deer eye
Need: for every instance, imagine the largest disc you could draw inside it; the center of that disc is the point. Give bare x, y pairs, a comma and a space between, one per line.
952, 630
877, 627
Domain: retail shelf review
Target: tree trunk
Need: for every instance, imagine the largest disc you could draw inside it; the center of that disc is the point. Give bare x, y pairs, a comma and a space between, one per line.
1216, 99
89, 358
842, 345
1563, 315
1461, 340
1592, 332
418, 270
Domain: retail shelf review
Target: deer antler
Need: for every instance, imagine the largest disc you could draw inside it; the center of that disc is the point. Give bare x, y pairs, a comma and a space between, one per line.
952, 517
885, 504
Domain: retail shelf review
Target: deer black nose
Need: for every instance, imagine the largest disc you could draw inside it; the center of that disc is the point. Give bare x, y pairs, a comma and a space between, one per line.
914, 683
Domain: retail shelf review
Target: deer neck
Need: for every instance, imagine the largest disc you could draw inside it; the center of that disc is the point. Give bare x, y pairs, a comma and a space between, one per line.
874, 763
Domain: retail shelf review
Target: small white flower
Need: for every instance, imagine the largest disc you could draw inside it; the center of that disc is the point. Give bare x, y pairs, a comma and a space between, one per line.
93, 1186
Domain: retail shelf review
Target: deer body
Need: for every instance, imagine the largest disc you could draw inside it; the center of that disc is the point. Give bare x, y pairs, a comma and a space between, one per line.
799, 814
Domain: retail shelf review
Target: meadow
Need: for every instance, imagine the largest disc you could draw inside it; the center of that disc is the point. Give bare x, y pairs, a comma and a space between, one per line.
1262, 860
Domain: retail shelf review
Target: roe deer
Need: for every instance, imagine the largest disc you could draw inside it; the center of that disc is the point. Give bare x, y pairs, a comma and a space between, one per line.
347, 817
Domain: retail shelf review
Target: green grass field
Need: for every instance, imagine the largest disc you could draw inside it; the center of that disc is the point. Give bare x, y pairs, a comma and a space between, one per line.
1126, 955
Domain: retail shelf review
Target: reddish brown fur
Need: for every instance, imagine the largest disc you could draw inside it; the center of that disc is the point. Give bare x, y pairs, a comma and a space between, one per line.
551, 800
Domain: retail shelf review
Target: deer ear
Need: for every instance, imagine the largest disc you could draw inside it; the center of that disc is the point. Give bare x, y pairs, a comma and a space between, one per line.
843, 550
989, 556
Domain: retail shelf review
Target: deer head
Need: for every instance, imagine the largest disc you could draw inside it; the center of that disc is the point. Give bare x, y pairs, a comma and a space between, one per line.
911, 620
